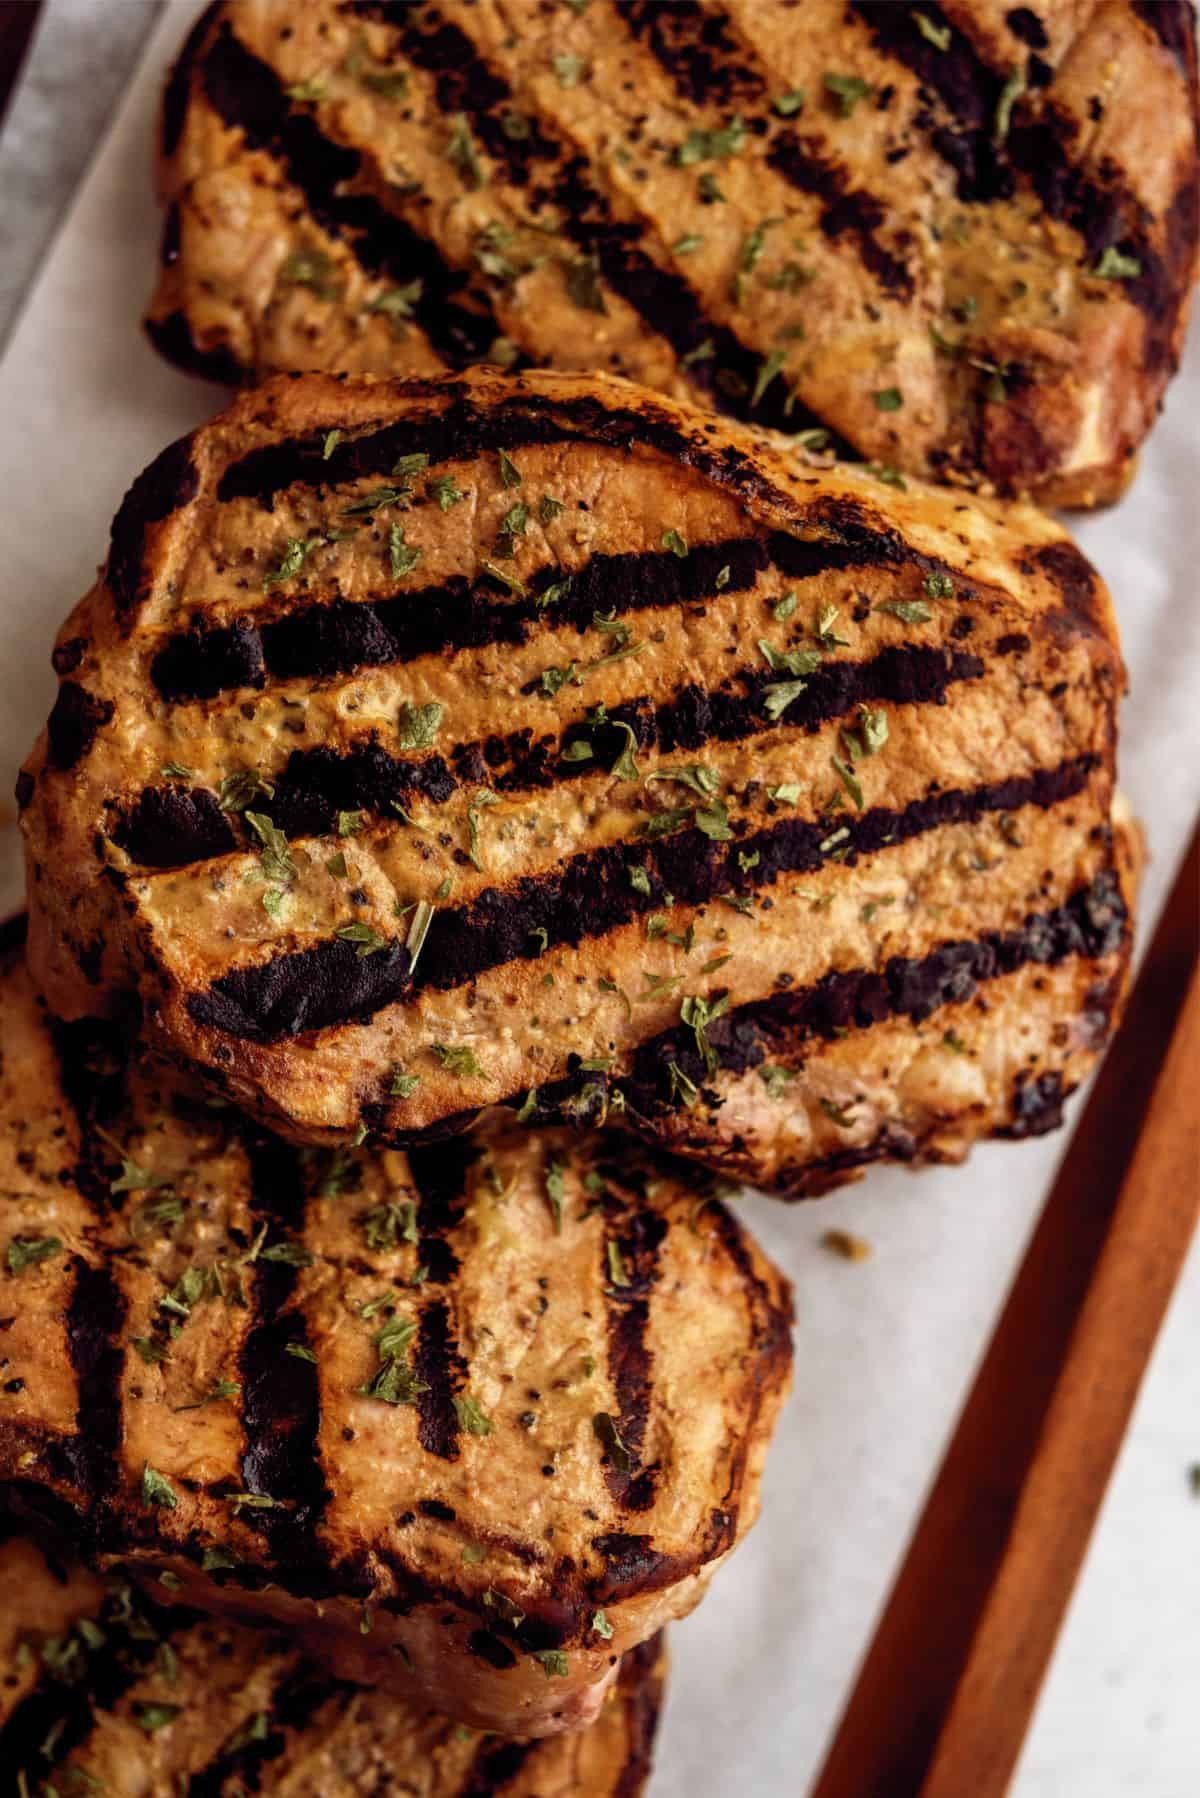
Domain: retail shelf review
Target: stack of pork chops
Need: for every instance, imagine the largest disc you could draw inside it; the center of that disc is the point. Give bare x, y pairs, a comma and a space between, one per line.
489, 813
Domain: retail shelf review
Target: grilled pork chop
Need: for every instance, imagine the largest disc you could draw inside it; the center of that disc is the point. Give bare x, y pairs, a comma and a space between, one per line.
104, 1690
959, 238
538, 742
473, 1422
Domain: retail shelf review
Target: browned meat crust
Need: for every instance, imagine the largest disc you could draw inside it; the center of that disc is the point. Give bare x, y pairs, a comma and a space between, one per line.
960, 238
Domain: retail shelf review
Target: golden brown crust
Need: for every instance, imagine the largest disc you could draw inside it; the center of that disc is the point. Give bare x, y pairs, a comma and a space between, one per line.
963, 238
690, 754
471, 1423
101, 1683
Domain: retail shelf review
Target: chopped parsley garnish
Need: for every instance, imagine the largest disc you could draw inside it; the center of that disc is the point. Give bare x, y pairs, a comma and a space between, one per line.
314, 88
937, 35
709, 191
1113, 266
713, 821
696, 775
698, 1013
578, 751
471, 1417
868, 736
691, 240
462, 154
274, 856
601, 1626
569, 69
911, 611
785, 607
841, 1115
815, 439
157, 1489
402, 556
403, 1085
374, 501
848, 779
151, 1352
778, 697
349, 824
311, 268
241, 787
394, 1381
175, 771
458, 1060
775, 1079
288, 1254
418, 725
553, 1662
555, 1182
621, 1456
397, 304
504, 577
514, 522
938, 586
299, 1351
153, 1717
389, 1224
482, 798
27, 1251
294, 556
1011, 92
639, 880
369, 941
789, 661
676, 542
715, 145
770, 366
889, 399
510, 474
786, 794
789, 104
890, 477
445, 491
682, 1089
625, 767
616, 1263
953, 1041
548, 509
847, 90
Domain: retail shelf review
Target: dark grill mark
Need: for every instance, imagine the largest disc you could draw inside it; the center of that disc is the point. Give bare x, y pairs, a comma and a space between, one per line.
308, 990
321, 641
461, 431
247, 94
1037, 1104
166, 818
172, 337
170, 482
175, 99
318, 783
590, 895
1039, 146
1024, 23
638, 1236
440, 1175
294, 1705
697, 51
95, 1317
75, 718
280, 1400
846, 211
439, 1365
661, 297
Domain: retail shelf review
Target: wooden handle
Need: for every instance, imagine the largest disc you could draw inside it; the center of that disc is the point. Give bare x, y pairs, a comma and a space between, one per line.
943, 1699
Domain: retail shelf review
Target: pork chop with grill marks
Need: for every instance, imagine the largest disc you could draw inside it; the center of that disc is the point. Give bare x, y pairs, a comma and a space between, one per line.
103, 1689
959, 238
472, 1423
537, 742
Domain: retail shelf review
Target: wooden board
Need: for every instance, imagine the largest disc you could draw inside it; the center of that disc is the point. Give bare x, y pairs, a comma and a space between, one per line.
944, 1696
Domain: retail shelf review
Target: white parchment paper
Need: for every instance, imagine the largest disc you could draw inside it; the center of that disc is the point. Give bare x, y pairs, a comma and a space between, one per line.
884, 1348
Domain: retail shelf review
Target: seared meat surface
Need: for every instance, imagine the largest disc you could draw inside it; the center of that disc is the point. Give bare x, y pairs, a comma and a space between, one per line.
469, 1424
959, 239
103, 1689
537, 742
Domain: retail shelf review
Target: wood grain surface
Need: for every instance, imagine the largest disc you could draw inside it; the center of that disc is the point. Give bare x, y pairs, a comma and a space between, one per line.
944, 1697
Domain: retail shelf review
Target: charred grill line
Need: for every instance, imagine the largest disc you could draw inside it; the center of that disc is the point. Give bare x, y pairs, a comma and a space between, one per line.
247, 94
495, 1766
846, 210
637, 1236
697, 52
462, 431
441, 1176
281, 1404
590, 895
441, 1369
662, 297
170, 826
331, 638
1105, 214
